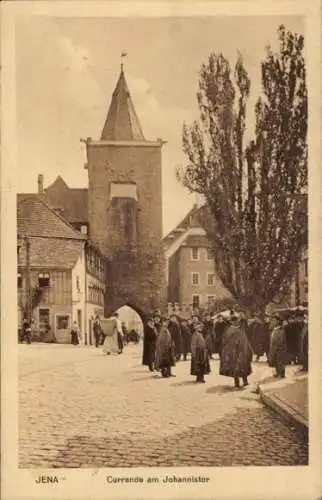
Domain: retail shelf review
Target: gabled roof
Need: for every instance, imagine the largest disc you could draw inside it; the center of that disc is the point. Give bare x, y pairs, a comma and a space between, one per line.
192, 219
52, 253
122, 123
36, 218
73, 202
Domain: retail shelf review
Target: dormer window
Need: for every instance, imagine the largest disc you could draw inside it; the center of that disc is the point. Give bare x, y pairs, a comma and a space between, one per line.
43, 280
84, 229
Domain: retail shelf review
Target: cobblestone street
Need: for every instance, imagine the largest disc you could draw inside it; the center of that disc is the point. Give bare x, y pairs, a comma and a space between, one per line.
79, 408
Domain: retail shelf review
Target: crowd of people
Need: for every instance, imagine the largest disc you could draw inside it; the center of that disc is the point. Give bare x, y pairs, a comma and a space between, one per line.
235, 339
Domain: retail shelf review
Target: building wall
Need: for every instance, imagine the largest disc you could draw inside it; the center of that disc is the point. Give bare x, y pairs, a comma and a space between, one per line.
187, 266
56, 300
143, 268
79, 294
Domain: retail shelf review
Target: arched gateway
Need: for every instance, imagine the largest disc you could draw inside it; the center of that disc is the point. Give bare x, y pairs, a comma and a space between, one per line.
125, 207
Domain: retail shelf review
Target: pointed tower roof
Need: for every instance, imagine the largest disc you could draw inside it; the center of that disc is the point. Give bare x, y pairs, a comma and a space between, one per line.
122, 123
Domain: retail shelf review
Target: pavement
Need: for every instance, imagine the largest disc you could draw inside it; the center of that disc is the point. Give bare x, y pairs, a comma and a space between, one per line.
80, 408
288, 397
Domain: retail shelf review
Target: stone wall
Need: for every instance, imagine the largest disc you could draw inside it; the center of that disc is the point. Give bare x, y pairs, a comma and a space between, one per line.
136, 276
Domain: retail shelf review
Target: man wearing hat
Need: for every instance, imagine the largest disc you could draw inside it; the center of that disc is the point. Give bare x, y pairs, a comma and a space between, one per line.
165, 350
185, 337
277, 355
149, 344
157, 321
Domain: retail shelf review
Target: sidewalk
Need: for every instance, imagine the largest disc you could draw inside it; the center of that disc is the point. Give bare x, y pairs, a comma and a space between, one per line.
288, 397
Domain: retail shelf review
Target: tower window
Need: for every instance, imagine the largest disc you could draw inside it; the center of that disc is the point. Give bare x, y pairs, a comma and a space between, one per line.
19, 280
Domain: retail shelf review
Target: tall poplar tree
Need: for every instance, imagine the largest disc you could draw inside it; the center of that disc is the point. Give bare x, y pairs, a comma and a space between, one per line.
253, 191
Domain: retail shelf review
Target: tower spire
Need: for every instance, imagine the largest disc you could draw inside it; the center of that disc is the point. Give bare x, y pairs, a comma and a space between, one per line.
122, 123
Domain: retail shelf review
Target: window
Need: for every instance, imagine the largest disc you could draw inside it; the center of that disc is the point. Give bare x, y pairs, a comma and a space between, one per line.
210, 254
195, 301
84, 229
62, 322
210, 279
77, 284
19, 281
306, 267
195, 253
43, 319
195, 278
211, 299
43, 280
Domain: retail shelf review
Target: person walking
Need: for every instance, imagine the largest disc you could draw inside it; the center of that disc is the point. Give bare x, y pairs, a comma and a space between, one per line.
165, 350
119, 332
207, 331
258, 335
186, 335
304, 347
109, 327
157, 321
236, 353
97, 331
149, 344
199, 355
26, 330
75, 334
220, 326
175, 331
277, 355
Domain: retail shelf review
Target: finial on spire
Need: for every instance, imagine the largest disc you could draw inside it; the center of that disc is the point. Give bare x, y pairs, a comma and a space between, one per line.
124, 54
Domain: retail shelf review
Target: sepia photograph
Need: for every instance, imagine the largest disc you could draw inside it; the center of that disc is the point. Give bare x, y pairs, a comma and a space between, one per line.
161, 307
162, 242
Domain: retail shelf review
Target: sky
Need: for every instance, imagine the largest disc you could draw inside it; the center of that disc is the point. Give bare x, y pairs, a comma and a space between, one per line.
67, 68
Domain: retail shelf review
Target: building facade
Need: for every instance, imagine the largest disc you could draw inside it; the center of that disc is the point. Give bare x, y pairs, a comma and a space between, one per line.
125, 206
61, 277
192, 280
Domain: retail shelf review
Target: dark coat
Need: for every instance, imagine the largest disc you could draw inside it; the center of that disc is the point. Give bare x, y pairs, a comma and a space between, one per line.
277, 355
304, 347
259, 336
199, 355
186, 339
236, 352
208, 335
149, 344
219, 328
165, 350
175, 332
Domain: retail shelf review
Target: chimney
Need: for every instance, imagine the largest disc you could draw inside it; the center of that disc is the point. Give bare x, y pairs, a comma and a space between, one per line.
40, 183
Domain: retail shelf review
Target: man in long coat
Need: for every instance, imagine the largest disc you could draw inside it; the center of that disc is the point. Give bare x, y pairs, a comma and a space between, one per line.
220, 326
258, 335
199, 355
165, 351
236, 352
149, 344
208, 328
277, 355
175, 331
186, 338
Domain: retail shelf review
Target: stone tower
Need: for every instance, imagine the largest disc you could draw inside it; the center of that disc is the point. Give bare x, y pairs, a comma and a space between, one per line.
125, 206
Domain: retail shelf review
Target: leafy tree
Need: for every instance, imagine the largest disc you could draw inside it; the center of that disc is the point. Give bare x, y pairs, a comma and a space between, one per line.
253, 191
